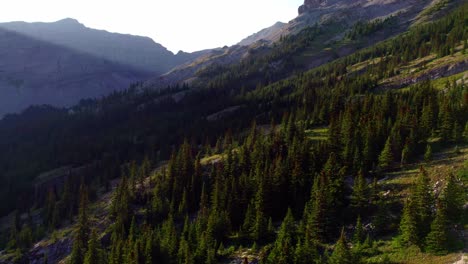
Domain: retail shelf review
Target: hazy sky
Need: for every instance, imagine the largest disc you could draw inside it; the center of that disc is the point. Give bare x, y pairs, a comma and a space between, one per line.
187, 25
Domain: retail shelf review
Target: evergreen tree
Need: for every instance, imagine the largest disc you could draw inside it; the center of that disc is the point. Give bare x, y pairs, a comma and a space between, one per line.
386, 156
405, 154
423, 201
341, 253
260, 226
358, 236
360, 195
437, 239
81, 230
453, 200
408, 228
283, 250
93, 253
428, 153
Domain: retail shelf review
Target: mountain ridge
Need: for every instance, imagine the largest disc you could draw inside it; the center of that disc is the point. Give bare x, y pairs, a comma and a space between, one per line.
137, 51
35, 72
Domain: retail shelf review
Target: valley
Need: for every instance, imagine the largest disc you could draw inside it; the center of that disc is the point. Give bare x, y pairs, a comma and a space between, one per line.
340, 139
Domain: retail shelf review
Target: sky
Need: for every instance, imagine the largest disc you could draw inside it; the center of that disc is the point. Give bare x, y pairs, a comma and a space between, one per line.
187, 25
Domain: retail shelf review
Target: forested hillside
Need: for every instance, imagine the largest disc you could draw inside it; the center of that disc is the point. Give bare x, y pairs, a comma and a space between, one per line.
361, 160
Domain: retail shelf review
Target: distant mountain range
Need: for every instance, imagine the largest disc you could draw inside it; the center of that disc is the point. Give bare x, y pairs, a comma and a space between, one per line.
62, 62
139, 52
36, 72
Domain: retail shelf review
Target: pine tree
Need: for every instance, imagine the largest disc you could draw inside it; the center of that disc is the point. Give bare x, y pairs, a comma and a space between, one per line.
453, 199
360, 195
358, 236
408, 228
386, 156
341, 253
405, 154
423, 201
283, 250
82, 230
93, 253
149, 249
437, 239
260, 226
428, 153
249, 220
316, 221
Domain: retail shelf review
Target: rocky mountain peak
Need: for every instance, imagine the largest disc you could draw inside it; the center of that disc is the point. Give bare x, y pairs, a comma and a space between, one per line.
310, 4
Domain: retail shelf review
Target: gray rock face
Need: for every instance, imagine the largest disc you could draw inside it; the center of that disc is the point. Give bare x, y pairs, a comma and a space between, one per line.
310, 4
349, 12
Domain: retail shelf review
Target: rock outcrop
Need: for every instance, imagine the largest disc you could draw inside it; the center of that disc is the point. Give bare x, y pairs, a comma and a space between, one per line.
310, 4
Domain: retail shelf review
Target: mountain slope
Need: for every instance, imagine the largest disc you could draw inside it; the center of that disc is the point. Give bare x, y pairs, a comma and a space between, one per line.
139, 52
317, 36
37, 72
271, 172
264, 34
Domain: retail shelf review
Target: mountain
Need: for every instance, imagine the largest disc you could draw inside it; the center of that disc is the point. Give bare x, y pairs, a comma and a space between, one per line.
62, 62
139, 52
37, 72
320, 33
264, 34
345, 151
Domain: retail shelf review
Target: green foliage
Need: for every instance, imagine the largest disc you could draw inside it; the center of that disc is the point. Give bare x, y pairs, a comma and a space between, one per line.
341, 253
422, 199
93, 253
283, 250
386, 156
366, 28
198, 202
360, 195
428, 153
408, 226
81, 230
438, 239
453, 200
358, 236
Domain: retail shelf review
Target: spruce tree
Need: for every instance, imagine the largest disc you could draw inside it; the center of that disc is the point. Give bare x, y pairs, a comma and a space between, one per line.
408, 228
341, 253
283, 250
358, 236
437, 240
81, 230
260, 225
453, 199
386, 156
428, 153
316, 225
93, 253
360, 195
405, 155
423, 201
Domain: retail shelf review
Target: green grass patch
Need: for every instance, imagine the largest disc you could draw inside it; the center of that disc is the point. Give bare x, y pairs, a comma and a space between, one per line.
390, 252
211, 159
317, 134
442, 82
